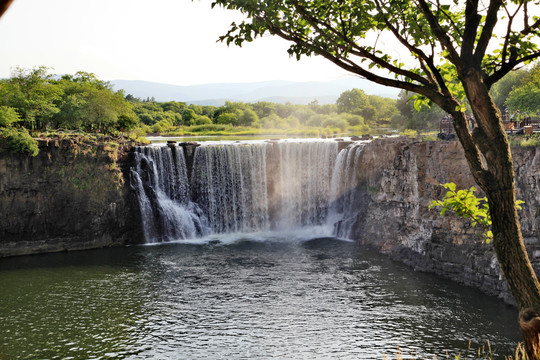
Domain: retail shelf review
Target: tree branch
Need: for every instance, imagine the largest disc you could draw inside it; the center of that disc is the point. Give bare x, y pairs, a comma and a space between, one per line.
358, 50
487, 31
348, 65
472, 19
439, 32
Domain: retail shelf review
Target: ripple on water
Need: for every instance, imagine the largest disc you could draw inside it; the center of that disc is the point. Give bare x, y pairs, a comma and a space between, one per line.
246, 299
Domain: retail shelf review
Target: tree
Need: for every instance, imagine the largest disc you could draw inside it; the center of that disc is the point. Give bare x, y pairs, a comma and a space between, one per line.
33, 94
439, 50
502, 88
352, 101
91, 104
526, 97
188, 115
247, 117
424, 118
227, 118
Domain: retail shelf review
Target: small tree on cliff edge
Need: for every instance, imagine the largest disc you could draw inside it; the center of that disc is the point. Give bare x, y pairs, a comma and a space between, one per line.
447, 52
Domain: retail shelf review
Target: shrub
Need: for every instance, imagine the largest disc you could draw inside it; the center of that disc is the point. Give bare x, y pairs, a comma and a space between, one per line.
411, 134
8, 116
19, 141
202, 120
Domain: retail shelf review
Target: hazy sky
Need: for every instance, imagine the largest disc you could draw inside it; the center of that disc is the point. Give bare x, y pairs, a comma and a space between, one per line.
168, 41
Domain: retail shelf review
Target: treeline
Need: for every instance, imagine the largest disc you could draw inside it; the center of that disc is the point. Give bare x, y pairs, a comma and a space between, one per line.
79, 101
33, 100
354, 110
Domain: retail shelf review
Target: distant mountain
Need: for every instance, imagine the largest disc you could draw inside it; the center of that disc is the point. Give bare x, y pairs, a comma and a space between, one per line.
324, 92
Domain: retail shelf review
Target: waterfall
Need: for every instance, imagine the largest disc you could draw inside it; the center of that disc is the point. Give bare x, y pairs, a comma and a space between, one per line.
160, 181
229, 183
245, 187
345, 197
305, 177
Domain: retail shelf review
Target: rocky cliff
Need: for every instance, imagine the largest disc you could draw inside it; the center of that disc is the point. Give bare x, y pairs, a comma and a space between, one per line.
71, 196
397, 179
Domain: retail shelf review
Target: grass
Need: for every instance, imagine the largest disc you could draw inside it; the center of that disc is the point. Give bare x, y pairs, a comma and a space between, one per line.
227, 130
525, 141
484, 353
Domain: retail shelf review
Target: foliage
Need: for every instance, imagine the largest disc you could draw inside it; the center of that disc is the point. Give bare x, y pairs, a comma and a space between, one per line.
352, 101
412, 134
526, 96
525, 141
79, 101
8, 116
426, 118
19, 141
502, 88
466, 205
33, 94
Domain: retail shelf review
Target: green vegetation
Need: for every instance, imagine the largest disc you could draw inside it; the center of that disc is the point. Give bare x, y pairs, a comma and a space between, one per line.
525, 94
18, 141
32, 101
354, 111
465, 204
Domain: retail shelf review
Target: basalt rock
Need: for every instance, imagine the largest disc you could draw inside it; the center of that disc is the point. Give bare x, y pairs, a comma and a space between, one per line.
71, 196
399, 178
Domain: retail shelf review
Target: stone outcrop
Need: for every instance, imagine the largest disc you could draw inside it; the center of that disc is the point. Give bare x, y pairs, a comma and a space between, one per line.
71, 196
397, 180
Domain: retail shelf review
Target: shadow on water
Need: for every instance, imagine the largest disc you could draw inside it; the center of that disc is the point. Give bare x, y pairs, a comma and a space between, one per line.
242, 299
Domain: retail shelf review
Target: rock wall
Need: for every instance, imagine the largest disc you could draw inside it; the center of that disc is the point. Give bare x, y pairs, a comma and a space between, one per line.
397, 180
71, 196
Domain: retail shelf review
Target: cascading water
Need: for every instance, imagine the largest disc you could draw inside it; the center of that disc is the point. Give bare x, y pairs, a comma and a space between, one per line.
230, 184
344, 197
305, 178
161, 184
245, 187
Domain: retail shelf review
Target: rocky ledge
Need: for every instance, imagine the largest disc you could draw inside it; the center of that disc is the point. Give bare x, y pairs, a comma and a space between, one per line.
71, 196
398, 179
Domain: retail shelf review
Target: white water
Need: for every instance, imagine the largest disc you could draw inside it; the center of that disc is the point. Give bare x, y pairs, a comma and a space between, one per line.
161, 184
247, 187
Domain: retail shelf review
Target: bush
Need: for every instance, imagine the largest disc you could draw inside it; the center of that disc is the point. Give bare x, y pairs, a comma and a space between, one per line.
19, 141
8, 116
202, 120
411, 134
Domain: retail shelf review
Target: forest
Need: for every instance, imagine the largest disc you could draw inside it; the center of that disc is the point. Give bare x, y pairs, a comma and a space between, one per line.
34, 102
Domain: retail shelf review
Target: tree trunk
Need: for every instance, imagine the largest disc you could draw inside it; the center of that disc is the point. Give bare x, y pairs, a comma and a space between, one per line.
4, 4
497, 181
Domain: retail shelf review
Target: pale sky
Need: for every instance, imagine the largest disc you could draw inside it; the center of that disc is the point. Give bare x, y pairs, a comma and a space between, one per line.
167, 41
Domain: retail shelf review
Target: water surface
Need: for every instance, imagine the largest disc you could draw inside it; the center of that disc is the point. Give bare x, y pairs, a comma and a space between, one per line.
256, 296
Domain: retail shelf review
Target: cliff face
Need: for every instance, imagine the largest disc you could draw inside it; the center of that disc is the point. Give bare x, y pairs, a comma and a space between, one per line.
397, 181
71, 196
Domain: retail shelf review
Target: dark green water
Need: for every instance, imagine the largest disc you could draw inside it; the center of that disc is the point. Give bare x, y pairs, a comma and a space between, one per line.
257, 298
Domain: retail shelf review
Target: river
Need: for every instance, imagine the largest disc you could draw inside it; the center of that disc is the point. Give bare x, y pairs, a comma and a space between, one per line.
252, 296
